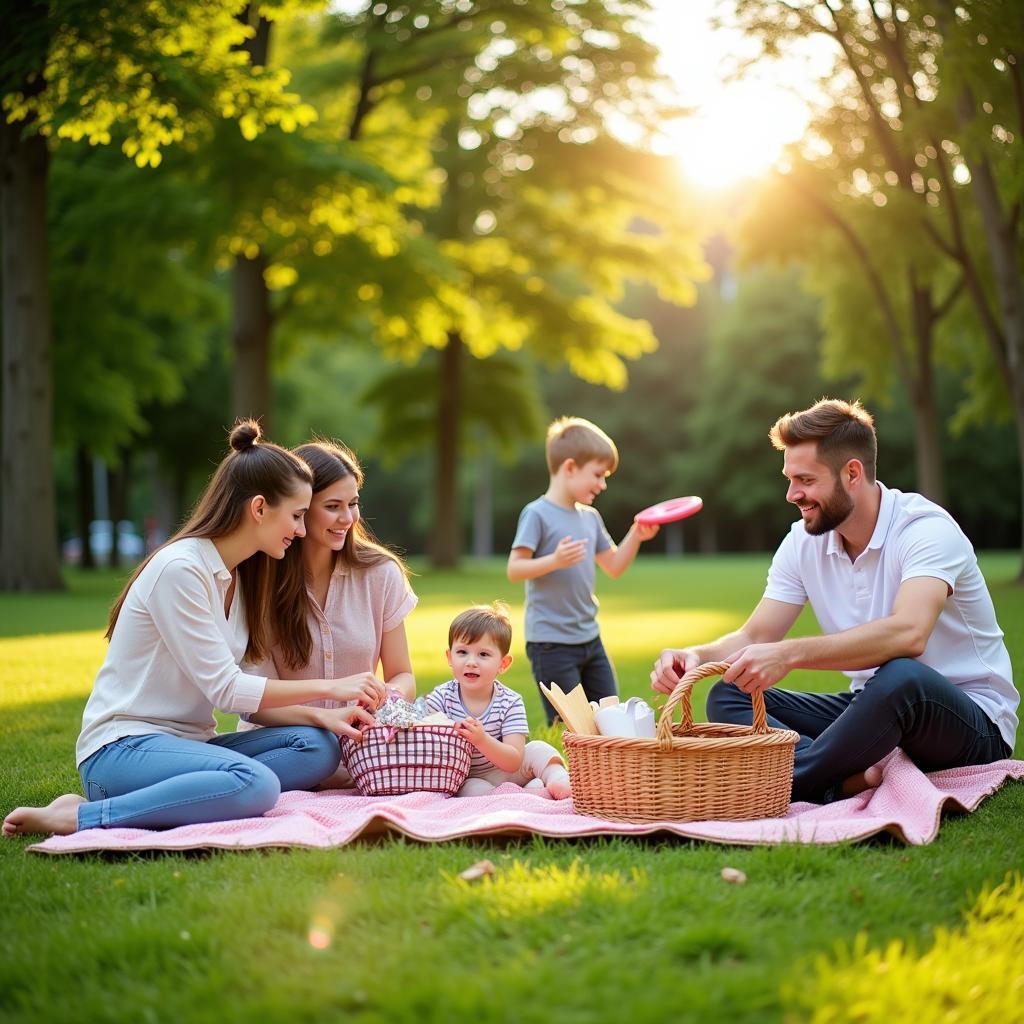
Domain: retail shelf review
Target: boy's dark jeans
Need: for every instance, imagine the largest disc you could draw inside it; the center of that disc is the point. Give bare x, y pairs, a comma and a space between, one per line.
569, 665
904, 704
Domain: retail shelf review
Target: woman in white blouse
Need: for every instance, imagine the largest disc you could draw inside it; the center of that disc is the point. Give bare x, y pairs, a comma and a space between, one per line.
148, 753
341, 597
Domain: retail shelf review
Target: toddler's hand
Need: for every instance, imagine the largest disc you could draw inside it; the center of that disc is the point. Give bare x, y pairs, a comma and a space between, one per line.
472, 729
569, 552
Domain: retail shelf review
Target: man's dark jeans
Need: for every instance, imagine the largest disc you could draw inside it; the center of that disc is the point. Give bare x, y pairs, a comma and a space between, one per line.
904, 704
569, 665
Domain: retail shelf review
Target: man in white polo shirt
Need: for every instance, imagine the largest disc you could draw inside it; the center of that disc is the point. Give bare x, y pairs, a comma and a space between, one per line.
904, 610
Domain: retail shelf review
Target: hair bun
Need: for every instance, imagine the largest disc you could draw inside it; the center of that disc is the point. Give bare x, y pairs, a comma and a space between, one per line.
245, 434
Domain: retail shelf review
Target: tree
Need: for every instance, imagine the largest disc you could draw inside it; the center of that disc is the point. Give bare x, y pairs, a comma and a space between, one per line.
539, 215
149, 73
133, 316
939, 84
760, 363
885, 290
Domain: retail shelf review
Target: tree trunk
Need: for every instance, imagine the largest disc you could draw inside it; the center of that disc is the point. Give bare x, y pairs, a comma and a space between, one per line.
118, 481
927, 448
250, 378
1003, 244
1018, 408
85, 504
1000, 231
29, 557
931, 478
483, 507
445, 536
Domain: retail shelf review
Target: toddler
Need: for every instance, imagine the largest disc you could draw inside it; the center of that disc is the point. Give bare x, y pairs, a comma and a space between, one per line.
489, 714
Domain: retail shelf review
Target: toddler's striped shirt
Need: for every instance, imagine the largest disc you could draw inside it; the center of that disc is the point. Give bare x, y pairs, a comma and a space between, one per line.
505, 715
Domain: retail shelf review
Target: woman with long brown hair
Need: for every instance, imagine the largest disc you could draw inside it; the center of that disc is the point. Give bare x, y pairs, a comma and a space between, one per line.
148, 753
341, 597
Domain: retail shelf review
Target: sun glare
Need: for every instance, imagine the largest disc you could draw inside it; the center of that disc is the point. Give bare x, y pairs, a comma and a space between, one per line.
735, 135
737, 129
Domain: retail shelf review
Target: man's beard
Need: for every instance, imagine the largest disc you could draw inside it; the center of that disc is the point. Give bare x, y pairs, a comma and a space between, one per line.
832, 512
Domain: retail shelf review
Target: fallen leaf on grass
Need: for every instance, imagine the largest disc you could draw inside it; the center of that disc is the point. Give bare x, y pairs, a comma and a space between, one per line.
477, 871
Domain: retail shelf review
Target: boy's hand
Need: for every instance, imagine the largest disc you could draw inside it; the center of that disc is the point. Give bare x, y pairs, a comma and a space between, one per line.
472, 729
569, 552
646, 531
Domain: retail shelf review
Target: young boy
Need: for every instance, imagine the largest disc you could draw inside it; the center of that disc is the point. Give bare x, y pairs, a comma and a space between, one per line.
559, 538
489, 714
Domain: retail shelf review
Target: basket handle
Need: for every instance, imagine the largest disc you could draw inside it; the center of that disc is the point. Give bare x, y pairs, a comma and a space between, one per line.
682, 696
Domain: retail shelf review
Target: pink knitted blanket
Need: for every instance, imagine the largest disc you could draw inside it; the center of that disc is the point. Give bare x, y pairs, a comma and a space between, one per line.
908, 804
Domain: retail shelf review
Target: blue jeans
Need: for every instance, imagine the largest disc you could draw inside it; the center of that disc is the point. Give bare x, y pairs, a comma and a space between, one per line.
569, 665
904, 704
162, 781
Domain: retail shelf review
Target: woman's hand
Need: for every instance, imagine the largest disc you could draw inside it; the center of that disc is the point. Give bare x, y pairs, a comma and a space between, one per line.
363, 687
346, 721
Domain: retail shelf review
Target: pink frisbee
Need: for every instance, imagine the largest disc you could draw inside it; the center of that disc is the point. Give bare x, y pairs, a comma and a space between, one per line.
669, 511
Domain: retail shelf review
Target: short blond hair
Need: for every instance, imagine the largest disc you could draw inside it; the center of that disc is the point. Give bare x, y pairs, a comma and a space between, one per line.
572, 437
483, 620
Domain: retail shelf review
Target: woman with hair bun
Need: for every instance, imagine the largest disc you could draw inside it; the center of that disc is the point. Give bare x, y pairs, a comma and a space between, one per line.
341, 597
148, 753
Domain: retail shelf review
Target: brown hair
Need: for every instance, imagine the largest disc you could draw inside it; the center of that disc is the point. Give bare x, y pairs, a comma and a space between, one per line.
330, 462
841, 430
252, 467
572, 437
483, 620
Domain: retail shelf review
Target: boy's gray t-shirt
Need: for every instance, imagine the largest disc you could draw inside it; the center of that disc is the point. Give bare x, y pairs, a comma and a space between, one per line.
561, 606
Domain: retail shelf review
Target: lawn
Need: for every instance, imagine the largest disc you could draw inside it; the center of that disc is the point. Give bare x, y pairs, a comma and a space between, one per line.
564, 931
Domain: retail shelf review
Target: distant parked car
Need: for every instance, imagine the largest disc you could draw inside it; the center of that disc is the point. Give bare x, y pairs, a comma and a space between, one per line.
130, 546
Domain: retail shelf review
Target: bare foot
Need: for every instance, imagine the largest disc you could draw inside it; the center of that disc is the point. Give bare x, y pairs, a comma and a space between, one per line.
867, 779
557, 782
59, 817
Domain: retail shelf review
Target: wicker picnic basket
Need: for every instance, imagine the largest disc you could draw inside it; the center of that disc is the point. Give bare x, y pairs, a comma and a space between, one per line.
426, 758
690, 772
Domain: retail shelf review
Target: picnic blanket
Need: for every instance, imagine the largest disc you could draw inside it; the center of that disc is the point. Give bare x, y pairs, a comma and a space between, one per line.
907, 803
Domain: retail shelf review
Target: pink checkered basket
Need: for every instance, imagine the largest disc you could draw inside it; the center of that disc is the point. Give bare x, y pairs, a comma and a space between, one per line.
423, 759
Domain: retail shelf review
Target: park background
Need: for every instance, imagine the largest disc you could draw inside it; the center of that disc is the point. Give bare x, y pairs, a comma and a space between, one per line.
425, 228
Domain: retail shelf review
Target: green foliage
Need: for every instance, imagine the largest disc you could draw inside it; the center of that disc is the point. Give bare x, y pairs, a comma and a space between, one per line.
132, 314
499, 403
972, 974
877, 195
148, 71
760, 364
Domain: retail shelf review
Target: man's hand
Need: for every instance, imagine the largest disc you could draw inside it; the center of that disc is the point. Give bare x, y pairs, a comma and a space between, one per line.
569, 552
673, 664
758, 667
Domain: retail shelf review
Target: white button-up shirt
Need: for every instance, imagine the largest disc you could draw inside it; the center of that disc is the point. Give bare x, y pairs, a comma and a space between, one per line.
174, 655
913, 538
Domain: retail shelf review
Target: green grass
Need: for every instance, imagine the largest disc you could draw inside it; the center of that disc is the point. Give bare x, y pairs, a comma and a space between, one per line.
570, 932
